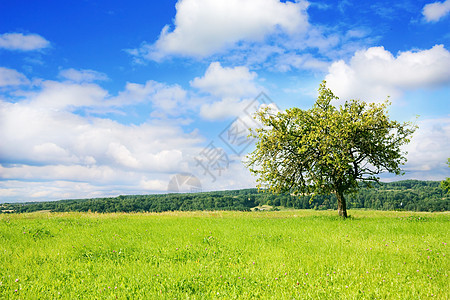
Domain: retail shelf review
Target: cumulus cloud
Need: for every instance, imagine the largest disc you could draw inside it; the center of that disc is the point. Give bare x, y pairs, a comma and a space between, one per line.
79, 92
166, 99
153, 184
226, 82
82, 75
270, 34
96, 152
67, 95
204, 27
435, 11
23, 42
170, 99
49, 152
375, 73
36, 135
225, 108
300, 61
232, 90
44, 139
37, 191
236, 176
428, 150
10, 77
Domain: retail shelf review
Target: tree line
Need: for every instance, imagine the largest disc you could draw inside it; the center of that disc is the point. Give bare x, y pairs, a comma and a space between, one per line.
411, 195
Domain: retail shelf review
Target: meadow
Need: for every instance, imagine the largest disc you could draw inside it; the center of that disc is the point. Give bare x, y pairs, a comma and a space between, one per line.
292, 254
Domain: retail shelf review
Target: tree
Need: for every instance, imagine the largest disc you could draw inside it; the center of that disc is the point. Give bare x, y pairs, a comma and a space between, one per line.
445, 184
327, 150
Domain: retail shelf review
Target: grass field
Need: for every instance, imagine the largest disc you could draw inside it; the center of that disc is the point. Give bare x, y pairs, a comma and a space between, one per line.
294, 254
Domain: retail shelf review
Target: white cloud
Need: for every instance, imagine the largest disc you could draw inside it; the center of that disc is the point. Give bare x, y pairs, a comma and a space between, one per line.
23, 42
300, 61
231, 88
48, 152
122, 155
227, 82
166, 99
153, 184
40, 144
225, 108
78, 93
230, 107
16, 190
428, 150
269, 34
43, 140
98, 174
82, 75
67, 95
136, 93
204, 27
170, 99
375, 73
435, 11
10, 77
236, 176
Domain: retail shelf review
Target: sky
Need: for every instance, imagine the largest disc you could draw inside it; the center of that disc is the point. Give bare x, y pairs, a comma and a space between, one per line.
106, 98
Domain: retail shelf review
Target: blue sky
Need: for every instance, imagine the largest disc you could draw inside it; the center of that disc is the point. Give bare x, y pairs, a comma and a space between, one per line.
102, 98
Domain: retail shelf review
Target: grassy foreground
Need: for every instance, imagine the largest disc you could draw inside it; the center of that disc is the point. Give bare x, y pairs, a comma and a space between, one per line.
222, 255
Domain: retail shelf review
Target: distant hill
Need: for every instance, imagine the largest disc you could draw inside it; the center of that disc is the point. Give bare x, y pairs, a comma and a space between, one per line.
413, 195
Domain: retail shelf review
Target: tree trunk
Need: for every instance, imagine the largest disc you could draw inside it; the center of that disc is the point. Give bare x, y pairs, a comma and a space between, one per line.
342, 206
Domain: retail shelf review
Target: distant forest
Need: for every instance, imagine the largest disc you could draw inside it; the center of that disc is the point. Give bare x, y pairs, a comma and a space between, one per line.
411, 195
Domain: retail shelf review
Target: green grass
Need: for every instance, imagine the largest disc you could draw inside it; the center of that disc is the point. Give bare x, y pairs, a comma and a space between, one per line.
221, 255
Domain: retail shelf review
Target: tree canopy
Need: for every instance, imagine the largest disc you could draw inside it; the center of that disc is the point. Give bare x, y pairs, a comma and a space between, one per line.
326, 149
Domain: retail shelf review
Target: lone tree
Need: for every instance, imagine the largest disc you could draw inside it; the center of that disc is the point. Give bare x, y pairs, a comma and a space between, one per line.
327, 150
